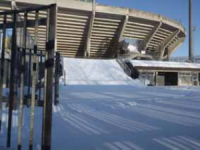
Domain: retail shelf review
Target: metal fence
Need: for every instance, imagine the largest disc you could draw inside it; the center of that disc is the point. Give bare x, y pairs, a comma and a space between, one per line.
31, 68
185, 59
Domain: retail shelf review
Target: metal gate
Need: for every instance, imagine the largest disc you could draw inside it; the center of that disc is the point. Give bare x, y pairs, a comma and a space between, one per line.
29, 71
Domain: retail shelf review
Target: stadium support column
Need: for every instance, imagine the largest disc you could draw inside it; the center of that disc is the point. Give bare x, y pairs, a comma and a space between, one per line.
156, 28
89, 34
123, 27
120, 34
191, 51
13, 5
166, 44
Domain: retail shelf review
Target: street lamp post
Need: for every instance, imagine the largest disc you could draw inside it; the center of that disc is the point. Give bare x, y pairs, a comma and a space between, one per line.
191, 50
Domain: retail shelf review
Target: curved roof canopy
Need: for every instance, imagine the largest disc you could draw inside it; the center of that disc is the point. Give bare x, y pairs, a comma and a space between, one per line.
94, 30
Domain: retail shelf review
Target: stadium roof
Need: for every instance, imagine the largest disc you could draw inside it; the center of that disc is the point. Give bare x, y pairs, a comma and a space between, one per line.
94, 30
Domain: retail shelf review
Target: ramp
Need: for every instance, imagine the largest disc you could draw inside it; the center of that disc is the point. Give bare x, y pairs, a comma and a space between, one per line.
94, 72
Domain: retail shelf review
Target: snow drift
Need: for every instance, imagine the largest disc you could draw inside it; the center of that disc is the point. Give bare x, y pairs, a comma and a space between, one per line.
94, 72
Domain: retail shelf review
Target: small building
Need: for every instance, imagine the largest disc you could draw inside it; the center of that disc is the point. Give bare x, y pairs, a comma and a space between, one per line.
163, 73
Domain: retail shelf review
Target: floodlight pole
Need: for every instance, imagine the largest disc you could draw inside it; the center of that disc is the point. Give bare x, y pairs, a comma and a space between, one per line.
191, 50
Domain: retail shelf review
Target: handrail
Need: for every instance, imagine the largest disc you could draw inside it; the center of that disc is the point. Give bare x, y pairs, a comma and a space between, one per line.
126, 69
184, 59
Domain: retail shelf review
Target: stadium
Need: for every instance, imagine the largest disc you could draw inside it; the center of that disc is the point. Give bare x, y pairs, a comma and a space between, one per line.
86, 29
78, 75
89, 29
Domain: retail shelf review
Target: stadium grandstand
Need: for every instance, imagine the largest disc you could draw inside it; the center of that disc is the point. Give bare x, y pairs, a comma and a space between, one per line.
88, 29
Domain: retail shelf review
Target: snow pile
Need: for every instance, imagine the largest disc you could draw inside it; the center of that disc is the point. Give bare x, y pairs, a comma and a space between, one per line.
146, 63
95, 72
133, 48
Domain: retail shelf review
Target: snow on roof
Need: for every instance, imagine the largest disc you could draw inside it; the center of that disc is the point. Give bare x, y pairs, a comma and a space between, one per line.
164, 64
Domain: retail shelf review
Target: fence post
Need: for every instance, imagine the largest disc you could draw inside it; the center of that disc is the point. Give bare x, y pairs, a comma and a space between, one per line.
29, 77
40, 75
34, 74
49, 64
57, 75
23, 61
2, 67
13, 92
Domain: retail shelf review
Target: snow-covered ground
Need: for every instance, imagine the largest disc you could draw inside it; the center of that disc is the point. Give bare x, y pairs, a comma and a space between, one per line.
95, 72
118, 117
127, 118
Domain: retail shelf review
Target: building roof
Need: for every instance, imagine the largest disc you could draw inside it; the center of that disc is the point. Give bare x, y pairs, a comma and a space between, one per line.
164, 64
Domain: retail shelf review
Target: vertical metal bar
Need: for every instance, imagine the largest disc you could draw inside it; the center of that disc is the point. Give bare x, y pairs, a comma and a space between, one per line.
25, 63
2, 66
12, 93
57, 74
20, 122
29, 75
45, 81
40, 75
34, 75
8, 74
49, 82
37, 79
19, 57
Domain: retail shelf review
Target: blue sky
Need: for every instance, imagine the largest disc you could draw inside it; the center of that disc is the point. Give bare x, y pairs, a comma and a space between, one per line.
174, 9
